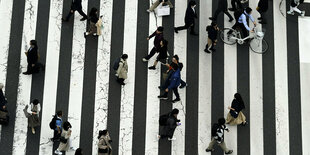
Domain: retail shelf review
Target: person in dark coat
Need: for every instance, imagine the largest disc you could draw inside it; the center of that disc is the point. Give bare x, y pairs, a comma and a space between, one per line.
76, 5
3, 100
190, 16
221, 7
172, 123
162, 56
159, 36
93, 15
235, 115
262, 9
212, 37
32, 58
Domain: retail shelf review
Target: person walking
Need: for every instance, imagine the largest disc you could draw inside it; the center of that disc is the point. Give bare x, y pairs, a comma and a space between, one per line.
173, 83
65, 141
104, 144
121, 72
169, 128
190, 16
93, 15
32, 58
221, 7
218, 136
212, 37
3, 100
159, 36
235, 115
157, 2
293, 7
262, 9
162, 56
55, 124
76, 5
33, 114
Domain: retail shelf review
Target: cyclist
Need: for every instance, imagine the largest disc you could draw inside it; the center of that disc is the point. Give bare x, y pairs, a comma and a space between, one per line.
242, 21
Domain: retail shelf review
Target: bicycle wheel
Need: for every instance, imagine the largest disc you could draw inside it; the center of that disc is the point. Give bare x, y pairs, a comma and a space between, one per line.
228, 36
259, 46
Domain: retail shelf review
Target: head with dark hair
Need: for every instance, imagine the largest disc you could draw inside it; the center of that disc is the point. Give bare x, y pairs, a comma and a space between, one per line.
93, 11
124, 56
66, 125
35, 101
175, 111
160, 29
221, 121
33, 43
164, 43
176, 57
78, 151
213, 24
248, 10
240, 100
59, 113
102, 133
191, 4
174, 66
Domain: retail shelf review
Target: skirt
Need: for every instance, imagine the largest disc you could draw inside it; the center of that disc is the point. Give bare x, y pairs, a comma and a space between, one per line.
33, 121
235, 121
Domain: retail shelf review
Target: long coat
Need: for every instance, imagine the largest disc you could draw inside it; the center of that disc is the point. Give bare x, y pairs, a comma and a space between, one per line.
65, 146
168, 130
104, 143
190, 15
32, 55
122, 69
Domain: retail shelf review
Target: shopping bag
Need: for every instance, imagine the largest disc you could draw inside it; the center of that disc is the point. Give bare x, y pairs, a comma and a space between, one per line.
163, 11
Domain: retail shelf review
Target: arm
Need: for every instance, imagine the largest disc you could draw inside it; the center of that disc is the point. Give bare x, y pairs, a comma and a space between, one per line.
152, 35
39, 108
29, 109
245, 22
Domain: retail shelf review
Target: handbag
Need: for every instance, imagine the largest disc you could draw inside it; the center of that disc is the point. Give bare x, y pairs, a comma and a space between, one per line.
63, 139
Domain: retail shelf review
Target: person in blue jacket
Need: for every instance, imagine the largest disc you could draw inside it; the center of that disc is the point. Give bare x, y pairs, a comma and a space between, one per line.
174, 81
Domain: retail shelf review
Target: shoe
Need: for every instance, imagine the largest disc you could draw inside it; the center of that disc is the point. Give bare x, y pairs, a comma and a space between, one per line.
229, 152
230, 20
182, 86
176, 100
172, 139
148, 10
211, 18
175, 30
290, 13
207, 51
245, 123
209, 150
163, 97
58, 152
145, 60
84, 34
303, 13
33, 131
26, 73
152, 68
83, 19
64, 20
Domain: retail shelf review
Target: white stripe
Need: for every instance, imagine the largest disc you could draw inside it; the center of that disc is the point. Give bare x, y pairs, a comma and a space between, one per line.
51, 76
24, 87
77, 77
5, 19
128, 91
103, 74
180, 49
304, 46
205, 81
152, 107
256, 96
281, 88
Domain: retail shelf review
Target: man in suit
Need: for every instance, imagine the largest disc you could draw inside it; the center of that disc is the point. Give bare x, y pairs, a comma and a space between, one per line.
32, 57
76, 6
190, 16
221, 7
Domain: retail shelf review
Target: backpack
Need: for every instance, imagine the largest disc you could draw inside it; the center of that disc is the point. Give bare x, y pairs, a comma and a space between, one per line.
116, 63
53, 122
215, 126
163, 119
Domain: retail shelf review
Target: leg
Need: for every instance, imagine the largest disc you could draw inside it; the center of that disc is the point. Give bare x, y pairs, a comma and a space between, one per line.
183, 84
69, 15
29, 69
154, 6
80, 11
229, 15
233, 4
217, 12
186, 26
152, 53
210, 147
223, 146
176, 93
296, 10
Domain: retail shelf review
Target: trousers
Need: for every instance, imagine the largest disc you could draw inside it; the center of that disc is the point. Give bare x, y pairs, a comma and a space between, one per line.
222, 145
80, 11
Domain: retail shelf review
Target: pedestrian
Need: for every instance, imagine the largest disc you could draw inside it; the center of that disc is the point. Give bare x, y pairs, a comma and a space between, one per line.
3, 100
122, 70
33, 114
157, 2
173, 83
55, 124
32, 58
235, 115
78, 151
93, 16
218, 136
221, 7
159, 36
175, 59
235, 5
190, 16
212, 37
162, 56
104, 144
262, 9
171, 124
76, 5
293, 7
65, 141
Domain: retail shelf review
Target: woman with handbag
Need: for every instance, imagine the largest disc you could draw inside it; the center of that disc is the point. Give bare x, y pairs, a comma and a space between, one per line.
32, 114
65, 142
93, 15
104, 146
235, 115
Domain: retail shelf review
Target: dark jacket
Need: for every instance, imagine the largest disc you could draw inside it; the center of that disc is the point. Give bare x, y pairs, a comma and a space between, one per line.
93, 17
76, 5
190, 15
222, 5
32, 56
263, 5
237, 106
175, 79
168, 130
158, 38
3, 101
212, 32
162, 52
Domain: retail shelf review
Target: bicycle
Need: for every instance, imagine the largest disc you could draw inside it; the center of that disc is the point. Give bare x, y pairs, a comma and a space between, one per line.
256, 39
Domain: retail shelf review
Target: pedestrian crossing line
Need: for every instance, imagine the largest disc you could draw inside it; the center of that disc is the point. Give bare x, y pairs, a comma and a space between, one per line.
102, 76
205, 70
127, 92
256, 96
77, 77
281, 87
51, 76
153, 103
24, 87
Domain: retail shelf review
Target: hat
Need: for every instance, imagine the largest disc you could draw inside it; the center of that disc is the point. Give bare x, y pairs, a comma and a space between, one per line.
160, 29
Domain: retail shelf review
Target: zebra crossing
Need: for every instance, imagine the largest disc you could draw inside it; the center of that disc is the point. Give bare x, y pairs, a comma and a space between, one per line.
79, 80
